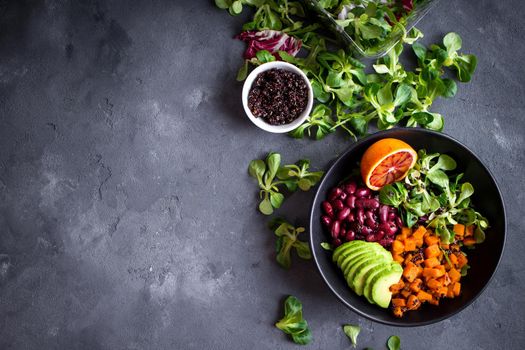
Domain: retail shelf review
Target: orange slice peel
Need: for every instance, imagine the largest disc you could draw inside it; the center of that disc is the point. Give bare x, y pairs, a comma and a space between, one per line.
386, 161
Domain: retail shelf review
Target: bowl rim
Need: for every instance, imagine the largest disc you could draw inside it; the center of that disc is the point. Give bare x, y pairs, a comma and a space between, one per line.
259, 122
379, 135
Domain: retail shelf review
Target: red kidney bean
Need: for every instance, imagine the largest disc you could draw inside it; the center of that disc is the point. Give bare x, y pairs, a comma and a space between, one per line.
399, 222
350, 235
392, 229
326, 220
342, 232
343, 213
328, 209
337, 204
335, 228
360, 215
380, 235
336, 242
366, 203
350, 217
369, 214
362, 192
343, 196
370, 223
365, 230
383, 213
350, 201
371, 237
335, 193
350, 187
386, 242
392, 216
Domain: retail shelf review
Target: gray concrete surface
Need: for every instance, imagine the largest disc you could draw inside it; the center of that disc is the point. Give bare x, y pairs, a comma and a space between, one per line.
127, 218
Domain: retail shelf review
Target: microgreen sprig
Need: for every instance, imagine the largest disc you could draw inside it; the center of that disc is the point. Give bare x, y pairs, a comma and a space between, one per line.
270, 175
287, 240
442, 200
293, 323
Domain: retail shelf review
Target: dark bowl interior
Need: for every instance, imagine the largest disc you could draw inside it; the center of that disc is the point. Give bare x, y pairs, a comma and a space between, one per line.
483, 259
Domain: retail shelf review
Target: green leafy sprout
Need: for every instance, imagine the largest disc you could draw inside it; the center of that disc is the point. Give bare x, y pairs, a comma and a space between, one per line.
429, 192
271, 177
293, 323
287, 240
348, 98
352, 332
394, 343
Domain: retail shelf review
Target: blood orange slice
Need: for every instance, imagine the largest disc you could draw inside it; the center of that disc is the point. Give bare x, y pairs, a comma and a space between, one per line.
386, 161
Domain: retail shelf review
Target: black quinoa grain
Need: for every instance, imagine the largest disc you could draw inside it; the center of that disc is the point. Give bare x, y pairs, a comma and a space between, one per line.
278, 96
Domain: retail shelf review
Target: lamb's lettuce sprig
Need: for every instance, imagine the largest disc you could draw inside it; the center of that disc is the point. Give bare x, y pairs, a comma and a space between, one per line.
431, 194
351, 99
288, 240
271, 177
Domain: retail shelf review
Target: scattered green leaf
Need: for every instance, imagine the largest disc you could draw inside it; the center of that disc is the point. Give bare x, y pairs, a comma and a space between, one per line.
394, 343
293, 323
287, 240
352, 332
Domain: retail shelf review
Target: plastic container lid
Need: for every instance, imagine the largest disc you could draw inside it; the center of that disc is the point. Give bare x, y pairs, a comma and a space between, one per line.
421, 8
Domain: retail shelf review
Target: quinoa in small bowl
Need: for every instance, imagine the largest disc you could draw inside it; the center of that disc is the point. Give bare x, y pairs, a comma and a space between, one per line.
277, 97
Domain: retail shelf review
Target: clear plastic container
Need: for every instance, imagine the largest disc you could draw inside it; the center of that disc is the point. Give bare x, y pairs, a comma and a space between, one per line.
419, 11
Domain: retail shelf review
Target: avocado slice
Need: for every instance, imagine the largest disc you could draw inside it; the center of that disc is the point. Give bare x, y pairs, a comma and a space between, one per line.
352, 258
350, 251
363, 260
380, 290
346, 247
378, 271
344, 262
360, 276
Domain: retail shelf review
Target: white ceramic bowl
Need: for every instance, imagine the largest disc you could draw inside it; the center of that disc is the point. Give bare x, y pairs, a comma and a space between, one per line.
259, 121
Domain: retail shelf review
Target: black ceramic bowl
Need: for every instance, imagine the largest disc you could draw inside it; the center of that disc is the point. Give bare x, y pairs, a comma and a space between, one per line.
483, 260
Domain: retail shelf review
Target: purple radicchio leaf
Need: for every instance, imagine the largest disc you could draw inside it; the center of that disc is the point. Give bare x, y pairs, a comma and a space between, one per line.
270, 40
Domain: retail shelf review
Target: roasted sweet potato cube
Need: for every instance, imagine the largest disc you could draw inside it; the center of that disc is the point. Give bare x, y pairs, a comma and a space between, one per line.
432, 272
413, 303
405, 232
424, 296
442, 291
433, 284
431, 262
398, 312
462, 260
459, 230
434, 301
469, 231
416, 285
398, 247
410, 244
445, 280
419, 233
431, 240
410, 272
432, 251
398, 258
453, 259
406, 293
395, 288
398, 302
454, 275
456, 288
469, 241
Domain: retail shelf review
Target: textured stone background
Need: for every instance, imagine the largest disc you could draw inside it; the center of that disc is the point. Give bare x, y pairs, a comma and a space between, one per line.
127, 218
